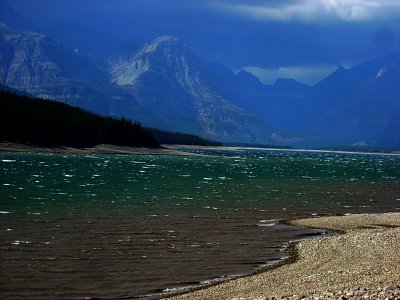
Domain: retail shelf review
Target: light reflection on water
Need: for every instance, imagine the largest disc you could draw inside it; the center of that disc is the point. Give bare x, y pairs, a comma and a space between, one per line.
120, 225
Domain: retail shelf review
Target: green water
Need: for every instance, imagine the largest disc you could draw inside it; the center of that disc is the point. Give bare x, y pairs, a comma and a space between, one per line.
126, 225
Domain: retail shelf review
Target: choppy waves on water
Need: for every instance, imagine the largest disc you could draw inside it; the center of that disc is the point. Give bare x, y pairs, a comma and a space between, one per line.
125, 226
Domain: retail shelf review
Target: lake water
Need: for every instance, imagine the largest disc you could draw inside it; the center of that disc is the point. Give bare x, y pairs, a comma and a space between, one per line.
109, 226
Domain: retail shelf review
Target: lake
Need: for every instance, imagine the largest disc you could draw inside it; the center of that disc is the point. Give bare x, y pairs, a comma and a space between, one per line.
109, 226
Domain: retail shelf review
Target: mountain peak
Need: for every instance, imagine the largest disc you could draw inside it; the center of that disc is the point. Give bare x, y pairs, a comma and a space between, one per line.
31, 61
167, 39
248, 78
164, 54
164, 42
341, 69
387, 69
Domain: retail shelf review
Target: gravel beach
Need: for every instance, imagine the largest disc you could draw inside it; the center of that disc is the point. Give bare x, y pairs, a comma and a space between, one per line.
99, 149
361, 263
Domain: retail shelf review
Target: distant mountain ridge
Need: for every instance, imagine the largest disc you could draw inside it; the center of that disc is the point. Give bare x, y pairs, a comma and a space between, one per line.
164, 85
32, 62
35, 64
166, 77
14, 19
363, 106
356, 106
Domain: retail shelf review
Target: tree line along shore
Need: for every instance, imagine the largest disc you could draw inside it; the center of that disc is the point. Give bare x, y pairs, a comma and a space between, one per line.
49, 123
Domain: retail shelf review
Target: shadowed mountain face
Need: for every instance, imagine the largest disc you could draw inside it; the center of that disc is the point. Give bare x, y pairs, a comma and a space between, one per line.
12, 18
35, 64
167, 78
275, 103
359, 106
164, 85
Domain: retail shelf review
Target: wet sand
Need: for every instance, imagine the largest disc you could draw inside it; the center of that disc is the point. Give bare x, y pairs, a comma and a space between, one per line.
362, 261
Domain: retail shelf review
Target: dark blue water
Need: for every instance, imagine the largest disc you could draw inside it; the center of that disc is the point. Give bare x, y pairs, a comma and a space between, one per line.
123, 225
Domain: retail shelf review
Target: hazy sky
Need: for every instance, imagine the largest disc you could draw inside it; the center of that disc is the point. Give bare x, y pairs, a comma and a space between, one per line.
302, 39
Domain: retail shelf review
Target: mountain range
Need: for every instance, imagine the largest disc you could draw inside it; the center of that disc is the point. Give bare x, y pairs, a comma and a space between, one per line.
163, 84
359, 106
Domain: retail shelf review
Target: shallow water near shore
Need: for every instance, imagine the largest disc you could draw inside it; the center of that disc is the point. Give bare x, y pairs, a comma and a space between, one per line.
109, 226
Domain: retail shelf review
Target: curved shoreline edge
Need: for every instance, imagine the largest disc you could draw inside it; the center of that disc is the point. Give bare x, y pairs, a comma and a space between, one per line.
364, 257
291, 257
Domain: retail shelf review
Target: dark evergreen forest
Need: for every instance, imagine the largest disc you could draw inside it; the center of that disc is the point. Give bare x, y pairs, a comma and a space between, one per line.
51, 123
173, 138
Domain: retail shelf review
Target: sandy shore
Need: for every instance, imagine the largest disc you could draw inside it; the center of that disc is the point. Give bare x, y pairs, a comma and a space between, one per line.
102, 149
361, 263
165, 150
230, 148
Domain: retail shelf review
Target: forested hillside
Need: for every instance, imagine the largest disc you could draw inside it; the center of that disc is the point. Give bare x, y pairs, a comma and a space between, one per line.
173, 138
45, 122
48, 123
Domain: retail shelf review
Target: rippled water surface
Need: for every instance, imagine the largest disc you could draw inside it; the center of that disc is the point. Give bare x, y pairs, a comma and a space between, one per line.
110, 226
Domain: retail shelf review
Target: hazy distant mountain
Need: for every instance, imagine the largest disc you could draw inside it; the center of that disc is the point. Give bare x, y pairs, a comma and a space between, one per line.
164, 85
99, 47
275, 103
95, 44
361, 105
167, 78
31, 60
12, 18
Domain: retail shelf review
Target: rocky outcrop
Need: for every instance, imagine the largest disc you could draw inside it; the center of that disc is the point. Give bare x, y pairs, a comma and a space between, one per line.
35, 64
32, 62
166, 77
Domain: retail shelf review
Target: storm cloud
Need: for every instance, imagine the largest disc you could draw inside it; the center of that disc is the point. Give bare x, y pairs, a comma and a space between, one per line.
270, 35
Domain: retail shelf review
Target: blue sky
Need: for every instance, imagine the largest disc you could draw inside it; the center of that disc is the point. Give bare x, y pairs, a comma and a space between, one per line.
301, 39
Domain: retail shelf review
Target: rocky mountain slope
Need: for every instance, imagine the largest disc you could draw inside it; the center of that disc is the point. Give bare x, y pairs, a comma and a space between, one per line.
358, 106
35, 64
32, 62
164, 85
274, 103
167, 78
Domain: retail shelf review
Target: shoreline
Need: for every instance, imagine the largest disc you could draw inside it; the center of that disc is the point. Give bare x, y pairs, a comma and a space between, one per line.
360, 233
231, 148
362, 259
99, 149
174, 150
